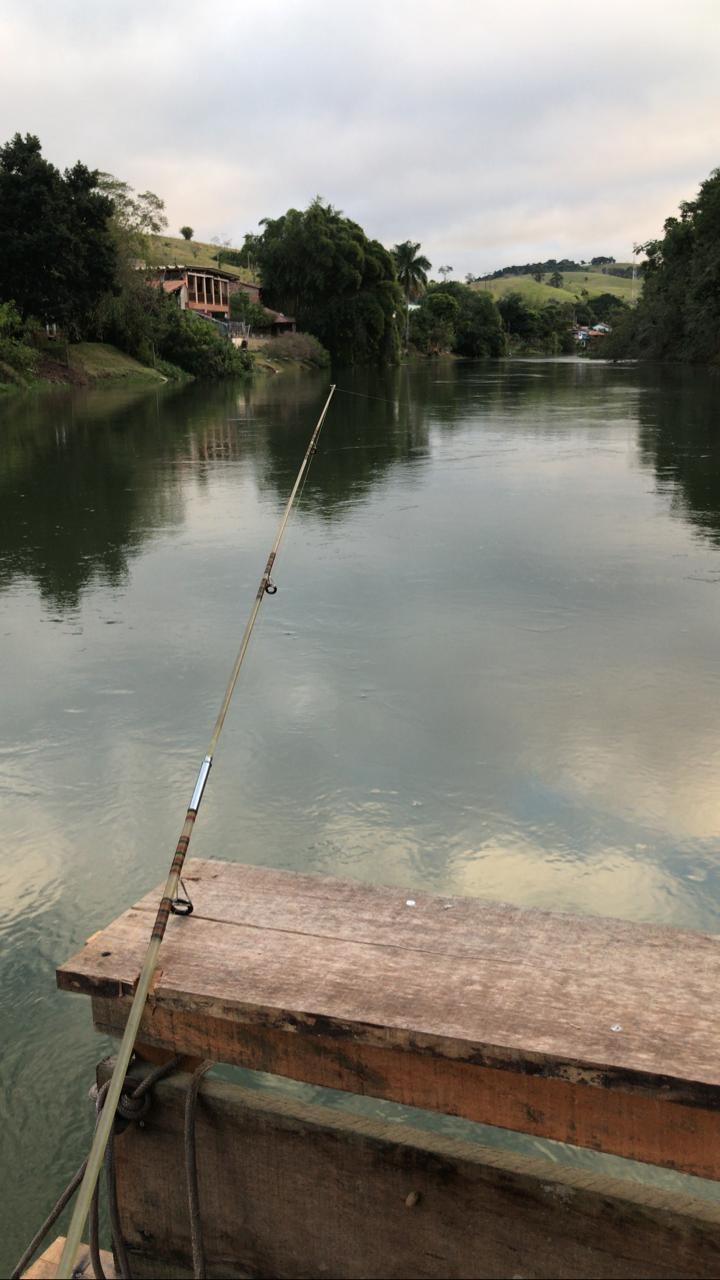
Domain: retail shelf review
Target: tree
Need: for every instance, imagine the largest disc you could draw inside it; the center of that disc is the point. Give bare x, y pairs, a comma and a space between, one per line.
470, 327
601, 261
547, 329
320, 267
539, 276
433, 323
556, 280
57, 254
678, 314
606, 306
139, 215
223, 248
445, 272
248, 312
411, 268
519, 318
186, 233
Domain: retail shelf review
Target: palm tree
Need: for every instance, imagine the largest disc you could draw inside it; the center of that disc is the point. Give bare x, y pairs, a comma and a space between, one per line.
411, 268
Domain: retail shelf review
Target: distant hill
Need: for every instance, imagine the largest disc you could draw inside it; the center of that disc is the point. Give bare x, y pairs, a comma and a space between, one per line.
595, 282
169, 250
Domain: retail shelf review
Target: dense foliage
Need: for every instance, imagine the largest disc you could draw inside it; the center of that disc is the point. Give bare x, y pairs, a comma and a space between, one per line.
69, 245
57, 253
243, 308
298, 346
453, 317
544, 329
18, 358
147, 324
678, 315
320, 267
548, 329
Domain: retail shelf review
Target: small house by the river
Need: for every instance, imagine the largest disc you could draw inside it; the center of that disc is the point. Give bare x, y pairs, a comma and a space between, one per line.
208, 290
203, 289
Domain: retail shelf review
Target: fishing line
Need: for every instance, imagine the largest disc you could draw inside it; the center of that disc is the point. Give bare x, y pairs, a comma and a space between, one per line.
363, 396
171, 902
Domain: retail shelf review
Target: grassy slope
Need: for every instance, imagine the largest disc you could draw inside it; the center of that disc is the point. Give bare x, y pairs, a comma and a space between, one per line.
98, 362
168, 250
573, 284
84, 364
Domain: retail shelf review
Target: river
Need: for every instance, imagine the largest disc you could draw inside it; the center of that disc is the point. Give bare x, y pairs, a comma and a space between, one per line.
492, 666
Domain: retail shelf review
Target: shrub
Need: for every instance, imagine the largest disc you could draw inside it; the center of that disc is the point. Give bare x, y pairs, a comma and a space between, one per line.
298, 346
199, 348
18, 358
252, 313
150, 326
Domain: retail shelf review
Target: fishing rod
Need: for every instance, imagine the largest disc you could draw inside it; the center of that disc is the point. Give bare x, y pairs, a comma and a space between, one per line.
170, 898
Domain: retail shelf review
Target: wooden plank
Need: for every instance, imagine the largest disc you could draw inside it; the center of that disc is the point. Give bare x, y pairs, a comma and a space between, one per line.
46, 1266
529, 983
566, 1010
626, 1123
291, 1189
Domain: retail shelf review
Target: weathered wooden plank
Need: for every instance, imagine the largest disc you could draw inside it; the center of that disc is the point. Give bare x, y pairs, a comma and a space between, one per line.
621, 1122
591, 1031
46, 1266
521, 985
290, 1189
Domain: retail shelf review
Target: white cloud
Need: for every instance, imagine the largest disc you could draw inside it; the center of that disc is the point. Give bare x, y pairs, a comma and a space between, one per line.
490, 133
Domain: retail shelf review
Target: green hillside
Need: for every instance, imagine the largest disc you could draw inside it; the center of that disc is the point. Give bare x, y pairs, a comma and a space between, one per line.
165, 251
536, 294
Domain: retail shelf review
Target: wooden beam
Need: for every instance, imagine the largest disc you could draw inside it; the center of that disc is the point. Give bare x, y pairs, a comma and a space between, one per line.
294, 1189
590, 1031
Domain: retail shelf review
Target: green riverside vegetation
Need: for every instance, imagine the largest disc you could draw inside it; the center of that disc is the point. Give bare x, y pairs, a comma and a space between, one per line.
321, 268
678, 316
70, 245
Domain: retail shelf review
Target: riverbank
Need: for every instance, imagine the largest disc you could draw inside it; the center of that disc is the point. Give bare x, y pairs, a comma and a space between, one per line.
85, 364
98, 364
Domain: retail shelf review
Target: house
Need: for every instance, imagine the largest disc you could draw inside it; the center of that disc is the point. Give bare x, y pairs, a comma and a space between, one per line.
206, 290
586, 333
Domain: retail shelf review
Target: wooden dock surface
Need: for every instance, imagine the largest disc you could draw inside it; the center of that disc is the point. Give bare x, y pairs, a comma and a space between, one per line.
574, 1028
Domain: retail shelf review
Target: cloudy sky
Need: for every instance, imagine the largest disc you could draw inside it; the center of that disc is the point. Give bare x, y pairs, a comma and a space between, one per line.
491, 132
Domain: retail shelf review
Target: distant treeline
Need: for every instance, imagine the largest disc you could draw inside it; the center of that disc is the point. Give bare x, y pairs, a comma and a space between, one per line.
678, 315
539, 269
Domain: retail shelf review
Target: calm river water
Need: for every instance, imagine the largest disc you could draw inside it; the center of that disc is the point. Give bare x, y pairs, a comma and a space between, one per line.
492, 666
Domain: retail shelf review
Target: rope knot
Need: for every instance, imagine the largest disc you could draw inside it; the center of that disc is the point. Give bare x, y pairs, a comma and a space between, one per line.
134, 1108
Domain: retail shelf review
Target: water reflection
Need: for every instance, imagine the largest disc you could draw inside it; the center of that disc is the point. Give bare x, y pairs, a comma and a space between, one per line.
491, 667
86, 480
679, 438
79, 490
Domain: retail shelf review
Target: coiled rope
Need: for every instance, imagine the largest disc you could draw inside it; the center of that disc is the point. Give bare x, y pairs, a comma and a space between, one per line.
134, 1105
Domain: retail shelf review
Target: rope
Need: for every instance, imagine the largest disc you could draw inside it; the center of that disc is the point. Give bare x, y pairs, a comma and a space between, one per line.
140, 1094
49, 1222
193, 1191
122, 1261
